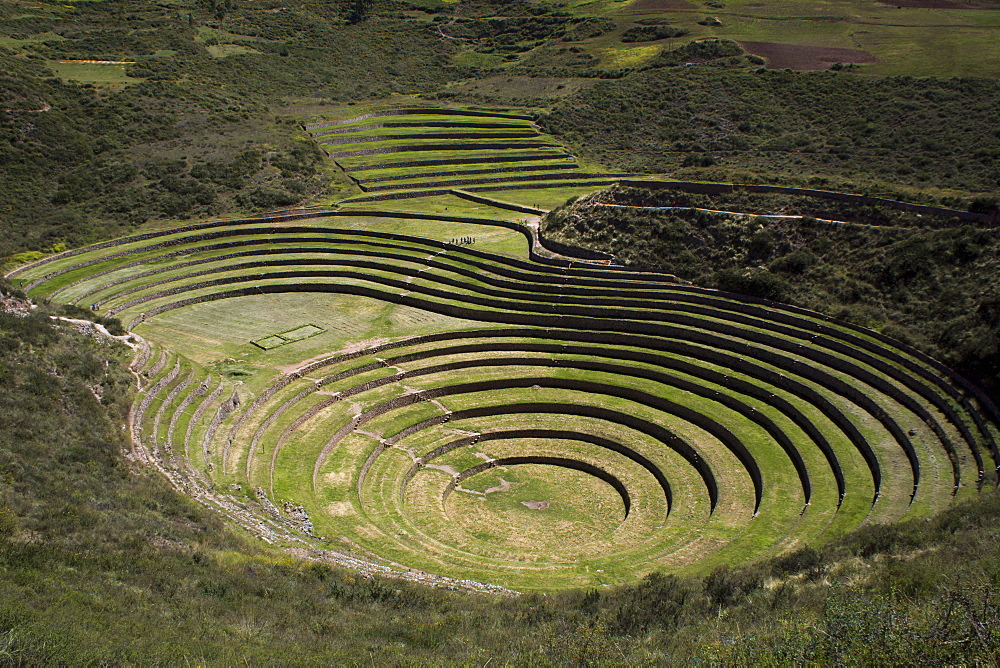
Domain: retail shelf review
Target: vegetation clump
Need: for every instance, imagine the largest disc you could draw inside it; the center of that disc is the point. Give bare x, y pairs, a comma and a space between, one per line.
652, 33
697, 52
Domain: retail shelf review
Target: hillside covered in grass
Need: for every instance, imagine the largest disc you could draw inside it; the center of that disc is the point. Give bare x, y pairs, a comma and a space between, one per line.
838, 130
201, 117
927, 281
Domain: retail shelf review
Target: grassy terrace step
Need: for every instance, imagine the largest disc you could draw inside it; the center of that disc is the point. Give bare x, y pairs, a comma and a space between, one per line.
510, 156
429, 122
617, 422
512, 179
413, 138
186, 404
437, 174
481, 189
423, 111
451, 146
416, 124
433, 121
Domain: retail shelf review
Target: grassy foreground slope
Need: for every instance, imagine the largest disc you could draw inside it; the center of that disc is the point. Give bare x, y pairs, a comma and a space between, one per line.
102, 562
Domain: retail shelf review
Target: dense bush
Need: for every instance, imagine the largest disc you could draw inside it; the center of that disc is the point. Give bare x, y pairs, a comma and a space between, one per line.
755, 282
652, 33
698, 51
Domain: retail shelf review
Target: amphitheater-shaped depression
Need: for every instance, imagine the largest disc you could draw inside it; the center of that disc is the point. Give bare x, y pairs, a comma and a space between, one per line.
531, 422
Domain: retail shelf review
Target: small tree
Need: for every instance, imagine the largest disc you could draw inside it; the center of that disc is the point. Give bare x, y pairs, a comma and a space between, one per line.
359, 13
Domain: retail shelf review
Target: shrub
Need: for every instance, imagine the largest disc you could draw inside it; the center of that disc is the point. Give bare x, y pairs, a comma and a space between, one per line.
796, 262
875, 539
657, 601
754, 282
698, 161
698, 51
803, 559
652, 33
266, 198
984, 204
8, 523
725, 586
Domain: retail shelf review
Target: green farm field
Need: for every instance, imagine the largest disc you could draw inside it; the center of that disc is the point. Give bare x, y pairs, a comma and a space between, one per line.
102, 75
903, 40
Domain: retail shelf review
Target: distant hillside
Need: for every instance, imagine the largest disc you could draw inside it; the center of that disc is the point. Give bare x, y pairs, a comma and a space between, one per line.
188, 125
146, 113
818, 129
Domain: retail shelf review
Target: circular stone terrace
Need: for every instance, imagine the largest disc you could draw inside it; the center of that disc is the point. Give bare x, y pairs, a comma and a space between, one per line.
360, 383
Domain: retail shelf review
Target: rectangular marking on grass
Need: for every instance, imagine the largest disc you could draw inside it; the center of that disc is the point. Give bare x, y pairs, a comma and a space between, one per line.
291, 336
